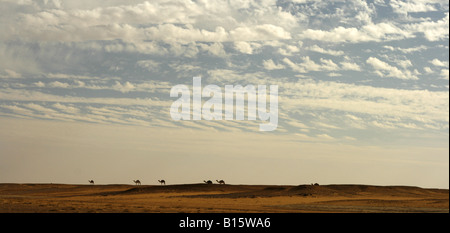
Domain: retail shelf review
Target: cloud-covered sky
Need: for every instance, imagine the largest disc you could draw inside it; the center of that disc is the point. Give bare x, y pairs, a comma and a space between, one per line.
356, 78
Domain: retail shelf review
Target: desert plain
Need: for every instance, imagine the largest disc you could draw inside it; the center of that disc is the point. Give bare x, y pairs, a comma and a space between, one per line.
219, 198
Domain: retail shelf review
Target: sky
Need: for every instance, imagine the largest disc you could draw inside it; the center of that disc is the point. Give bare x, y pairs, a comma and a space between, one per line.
363, 91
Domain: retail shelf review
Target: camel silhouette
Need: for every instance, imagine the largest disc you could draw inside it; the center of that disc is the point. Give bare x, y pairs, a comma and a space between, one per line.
137, 182
220, 181
208, 182
162, 182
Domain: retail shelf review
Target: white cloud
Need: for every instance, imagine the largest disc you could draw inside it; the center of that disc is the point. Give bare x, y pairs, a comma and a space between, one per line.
39, 108
444, 74
350, 66
334, 74
243, 47
11, 74
259, 33
427, 70
308, 65
318, 49
437, 62
189, 50
328, 64
270, 65
39, 84
57, 84
325, 137
432, 30
369, 32
149, 65
168, 37
288, 50
215, 49
127, 87
380, 2
66, 108
383, 69
18, 110
401, 106
72, 76
138, 26
404, 63
404, 7
406, 50
150, 86
26, 95
294, 66
183, 68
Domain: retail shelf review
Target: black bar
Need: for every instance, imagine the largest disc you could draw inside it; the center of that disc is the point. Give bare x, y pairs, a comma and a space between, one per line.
224, 222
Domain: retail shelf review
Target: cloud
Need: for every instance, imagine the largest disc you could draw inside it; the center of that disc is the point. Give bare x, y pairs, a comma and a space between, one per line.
39, 108
350, 66
367, 33
215, 49
184, 68
270, 65
408, 6
316, 48
334, 75
295, 67
18, 110
327, 64
167, 21
150, 86
259, 33
406, 50
383, 69
39, 84
73, 76
124, 87
66, 108
149, 65
432, 30
404, 7
288, 50
437, 62
57, 84
444, 74
9, 94
11, 74
111, 46
404, 63
325, 137
243, 47
308, 65
427, 70
368, 103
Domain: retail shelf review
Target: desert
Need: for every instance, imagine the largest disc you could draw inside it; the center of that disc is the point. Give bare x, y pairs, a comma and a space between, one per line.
219, 198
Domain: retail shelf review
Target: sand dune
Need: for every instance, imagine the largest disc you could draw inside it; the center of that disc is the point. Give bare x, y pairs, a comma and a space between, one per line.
203, 198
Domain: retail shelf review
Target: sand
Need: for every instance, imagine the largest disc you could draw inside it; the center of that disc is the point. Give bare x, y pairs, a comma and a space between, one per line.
216, 198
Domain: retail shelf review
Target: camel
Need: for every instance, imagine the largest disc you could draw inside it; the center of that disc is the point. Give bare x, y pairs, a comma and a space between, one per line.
137, 182
208, 182
162, 182
220, 181
91, 181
